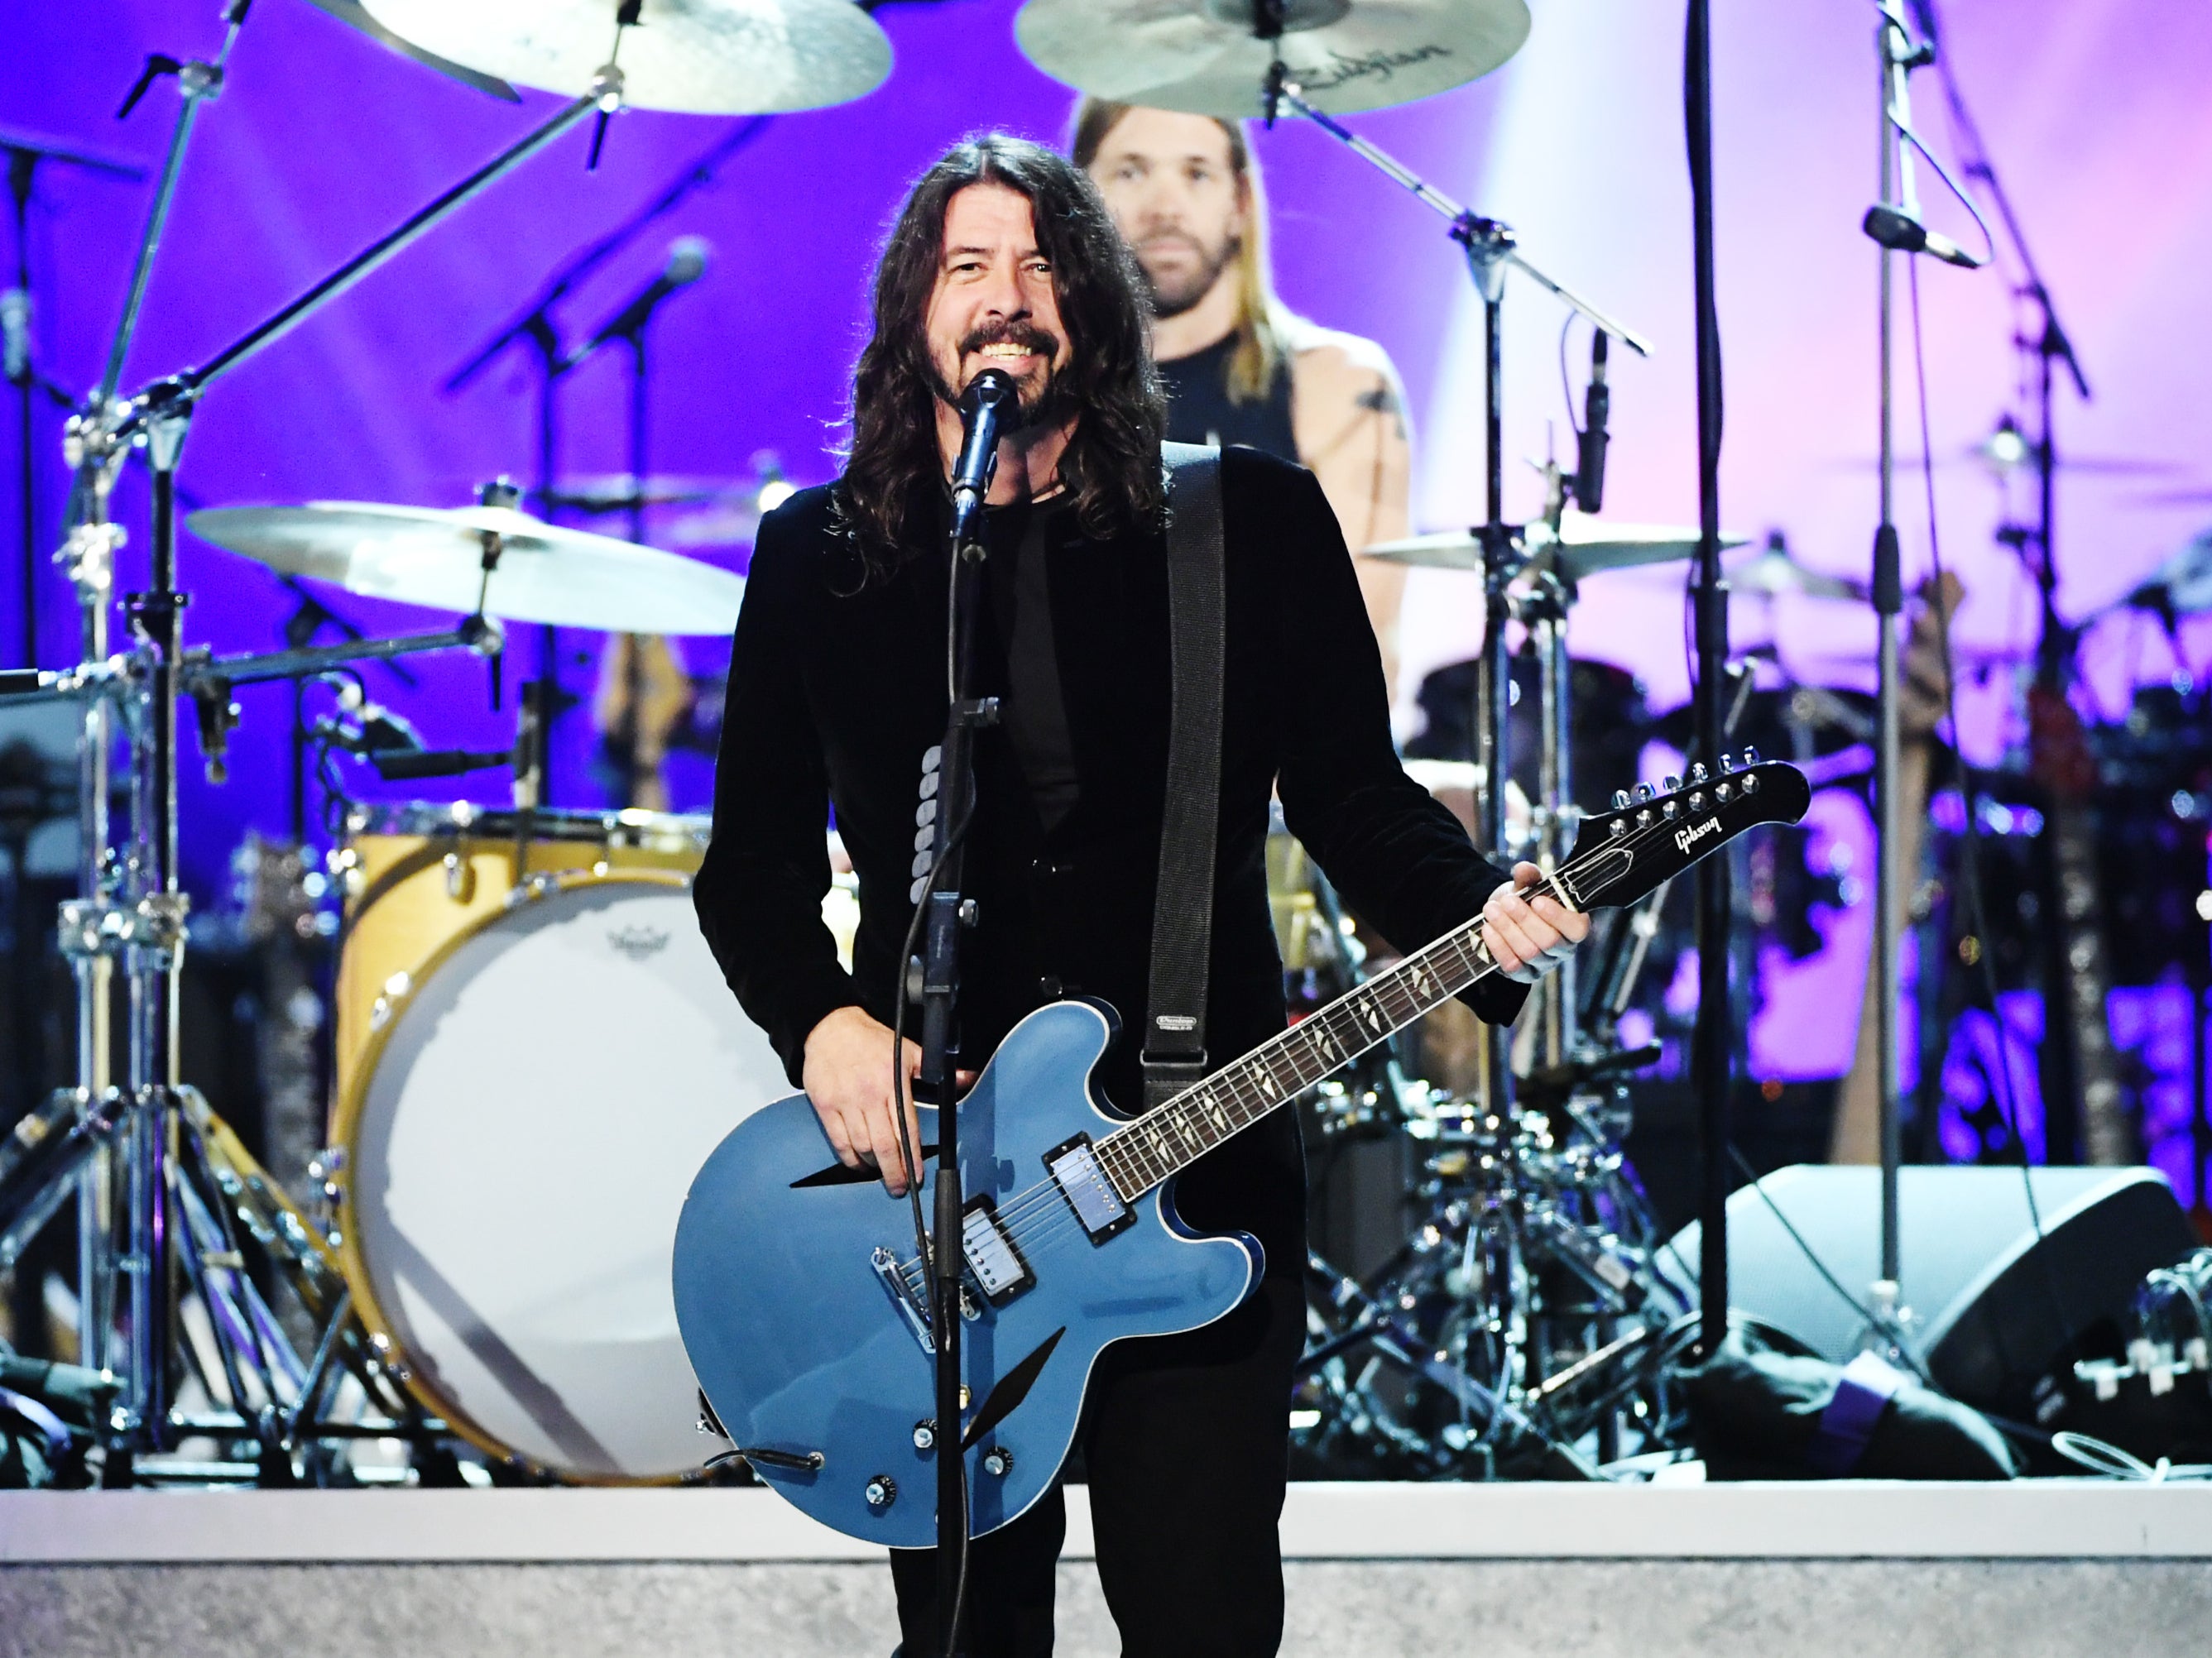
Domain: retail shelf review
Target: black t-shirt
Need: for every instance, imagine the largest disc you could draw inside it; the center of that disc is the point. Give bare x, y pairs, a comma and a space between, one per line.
1022, 538
1199, 410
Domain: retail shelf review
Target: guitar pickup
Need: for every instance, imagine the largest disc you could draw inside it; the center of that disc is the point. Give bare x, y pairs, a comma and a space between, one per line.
1074, 1169
996, 1264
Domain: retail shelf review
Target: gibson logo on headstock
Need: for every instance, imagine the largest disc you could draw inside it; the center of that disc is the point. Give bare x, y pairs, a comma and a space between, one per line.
1686, 838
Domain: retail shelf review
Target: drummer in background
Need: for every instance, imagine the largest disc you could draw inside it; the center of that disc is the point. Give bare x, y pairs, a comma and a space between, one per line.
1239, 366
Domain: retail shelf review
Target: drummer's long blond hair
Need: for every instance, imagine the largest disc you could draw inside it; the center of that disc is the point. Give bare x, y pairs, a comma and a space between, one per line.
1262, 324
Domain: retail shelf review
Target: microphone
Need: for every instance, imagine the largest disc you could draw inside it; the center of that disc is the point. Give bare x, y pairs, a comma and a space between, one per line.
15, 336
990, 409
436, 763
686, 263
1906, 235
1597, 404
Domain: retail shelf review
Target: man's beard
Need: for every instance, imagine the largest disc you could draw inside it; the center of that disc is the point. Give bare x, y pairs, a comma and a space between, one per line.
1043, 408
1173, 302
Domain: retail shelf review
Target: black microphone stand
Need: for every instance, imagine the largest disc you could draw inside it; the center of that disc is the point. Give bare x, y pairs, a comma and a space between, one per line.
936, 974
1712, 1041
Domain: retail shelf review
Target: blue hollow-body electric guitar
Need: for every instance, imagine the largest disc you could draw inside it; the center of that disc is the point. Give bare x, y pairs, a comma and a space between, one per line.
804, 1303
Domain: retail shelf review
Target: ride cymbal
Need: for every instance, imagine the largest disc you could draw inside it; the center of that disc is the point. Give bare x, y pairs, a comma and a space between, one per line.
696, 57
1206, 57
1583, 548
435, 557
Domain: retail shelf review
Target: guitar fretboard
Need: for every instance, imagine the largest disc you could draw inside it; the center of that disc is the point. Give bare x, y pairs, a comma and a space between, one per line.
1178, 1131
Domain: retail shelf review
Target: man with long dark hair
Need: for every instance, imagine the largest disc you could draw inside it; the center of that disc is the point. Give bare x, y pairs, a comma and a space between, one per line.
1004, 256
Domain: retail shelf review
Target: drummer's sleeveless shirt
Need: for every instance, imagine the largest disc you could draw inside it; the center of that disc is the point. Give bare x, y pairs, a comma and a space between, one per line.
1199, 410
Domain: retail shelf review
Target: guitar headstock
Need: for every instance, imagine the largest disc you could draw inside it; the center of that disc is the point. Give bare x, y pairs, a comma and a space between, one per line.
1656, 833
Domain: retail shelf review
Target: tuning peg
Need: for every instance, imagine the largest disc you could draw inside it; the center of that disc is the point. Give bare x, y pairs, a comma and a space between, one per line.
1698, 772
1728, 763
1644, 792
1620, 801
1670, 782
1750, 757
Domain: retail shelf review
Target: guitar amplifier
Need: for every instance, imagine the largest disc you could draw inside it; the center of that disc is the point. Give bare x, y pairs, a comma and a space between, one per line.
1997, 1317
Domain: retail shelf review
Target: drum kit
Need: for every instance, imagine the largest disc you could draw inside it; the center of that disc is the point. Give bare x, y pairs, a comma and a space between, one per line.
533, 1049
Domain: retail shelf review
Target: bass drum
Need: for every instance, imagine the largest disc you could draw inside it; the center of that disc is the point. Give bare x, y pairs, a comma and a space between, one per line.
531, 1106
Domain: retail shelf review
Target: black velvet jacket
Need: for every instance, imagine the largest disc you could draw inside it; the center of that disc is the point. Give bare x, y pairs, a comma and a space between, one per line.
837, 686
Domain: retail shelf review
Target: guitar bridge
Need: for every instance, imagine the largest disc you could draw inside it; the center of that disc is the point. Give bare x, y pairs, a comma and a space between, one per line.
910, 1294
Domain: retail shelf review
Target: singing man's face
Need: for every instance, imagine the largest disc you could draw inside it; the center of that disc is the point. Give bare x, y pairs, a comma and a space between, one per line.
1173, 190
994, 306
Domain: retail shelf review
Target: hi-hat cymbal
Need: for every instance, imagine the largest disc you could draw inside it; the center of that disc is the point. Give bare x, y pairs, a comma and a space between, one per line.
1583, 549
1202, 56
699, 56
433, 556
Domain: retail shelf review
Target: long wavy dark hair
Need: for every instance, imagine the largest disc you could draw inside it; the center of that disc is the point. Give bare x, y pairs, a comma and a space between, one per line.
1112, 464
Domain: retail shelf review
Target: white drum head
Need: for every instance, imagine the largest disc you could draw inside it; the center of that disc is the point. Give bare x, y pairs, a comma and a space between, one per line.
516, 1165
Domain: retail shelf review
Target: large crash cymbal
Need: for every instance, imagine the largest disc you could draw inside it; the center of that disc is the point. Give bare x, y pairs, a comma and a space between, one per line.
433, 556
1583, 548
699, 57
1202, 56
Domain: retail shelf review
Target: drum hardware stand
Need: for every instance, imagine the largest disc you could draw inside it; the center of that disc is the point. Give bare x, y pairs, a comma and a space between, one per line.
1900, 55
24, 154
536, 329
133, 905
1490, 248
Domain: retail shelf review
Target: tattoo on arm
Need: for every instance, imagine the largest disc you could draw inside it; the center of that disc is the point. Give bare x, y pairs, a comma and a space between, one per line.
1380, 399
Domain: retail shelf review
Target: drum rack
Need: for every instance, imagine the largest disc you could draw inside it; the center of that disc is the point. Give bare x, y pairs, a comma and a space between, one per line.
167, 1196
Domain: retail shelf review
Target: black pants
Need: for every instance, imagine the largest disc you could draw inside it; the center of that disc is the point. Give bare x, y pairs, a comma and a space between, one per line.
1187, 1439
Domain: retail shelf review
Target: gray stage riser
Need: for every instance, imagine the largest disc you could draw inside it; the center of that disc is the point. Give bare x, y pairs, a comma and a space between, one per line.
1497, 1609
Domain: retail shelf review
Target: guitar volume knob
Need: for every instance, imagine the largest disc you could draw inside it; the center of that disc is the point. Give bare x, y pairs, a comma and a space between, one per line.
998, 1461
881, 1492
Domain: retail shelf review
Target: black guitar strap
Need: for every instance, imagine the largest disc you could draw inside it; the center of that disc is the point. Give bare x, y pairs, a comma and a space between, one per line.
1173, 1053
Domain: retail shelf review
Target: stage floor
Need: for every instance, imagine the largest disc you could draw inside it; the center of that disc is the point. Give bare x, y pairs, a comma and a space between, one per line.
2057, 1567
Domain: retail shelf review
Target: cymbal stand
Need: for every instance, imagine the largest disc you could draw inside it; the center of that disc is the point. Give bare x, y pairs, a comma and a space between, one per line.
1491, 248
1900, 56
537, 328
132, 906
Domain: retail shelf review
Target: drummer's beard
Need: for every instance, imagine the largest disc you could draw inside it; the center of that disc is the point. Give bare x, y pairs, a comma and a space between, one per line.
1178, 294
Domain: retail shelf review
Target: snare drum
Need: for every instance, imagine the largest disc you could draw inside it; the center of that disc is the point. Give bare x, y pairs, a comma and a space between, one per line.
527, 1111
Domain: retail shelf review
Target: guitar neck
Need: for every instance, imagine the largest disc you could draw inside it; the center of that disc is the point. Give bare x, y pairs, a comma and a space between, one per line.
1176, 1133
1619, 856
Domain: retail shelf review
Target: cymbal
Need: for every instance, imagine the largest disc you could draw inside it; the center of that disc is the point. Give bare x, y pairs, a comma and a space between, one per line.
433, 556
1583, 549
699, 57
350, 13
1205, 59
1774, 574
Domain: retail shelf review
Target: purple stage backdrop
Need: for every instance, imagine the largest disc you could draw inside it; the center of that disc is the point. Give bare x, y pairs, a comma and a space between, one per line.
2095, 112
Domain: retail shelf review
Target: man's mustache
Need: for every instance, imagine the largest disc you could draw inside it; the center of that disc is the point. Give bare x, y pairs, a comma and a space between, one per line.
1028, 336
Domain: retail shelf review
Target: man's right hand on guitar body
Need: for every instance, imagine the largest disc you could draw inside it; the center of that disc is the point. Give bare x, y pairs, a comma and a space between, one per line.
848, 1079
